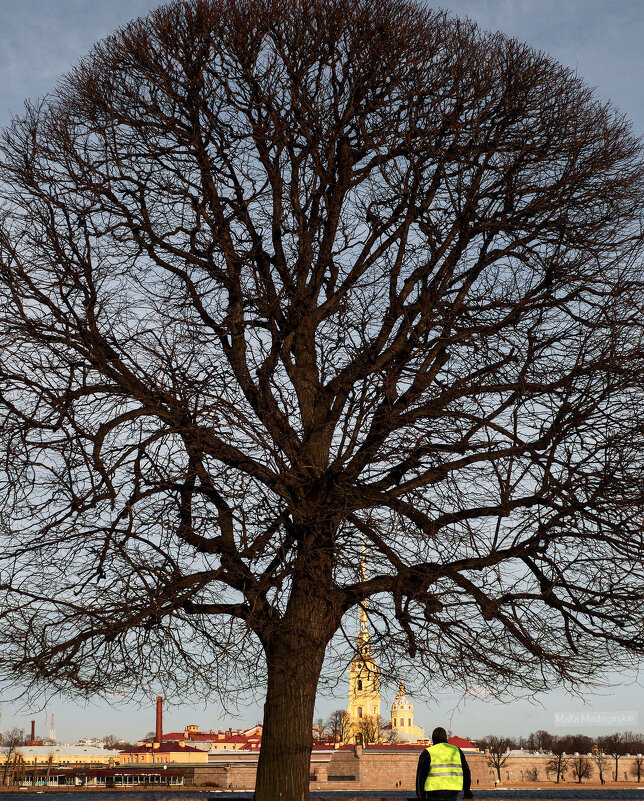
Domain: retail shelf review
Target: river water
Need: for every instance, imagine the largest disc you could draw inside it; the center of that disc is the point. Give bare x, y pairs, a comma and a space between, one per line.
538, 794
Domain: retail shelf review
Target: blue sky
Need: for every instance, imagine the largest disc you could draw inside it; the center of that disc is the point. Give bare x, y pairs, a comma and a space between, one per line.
602, 40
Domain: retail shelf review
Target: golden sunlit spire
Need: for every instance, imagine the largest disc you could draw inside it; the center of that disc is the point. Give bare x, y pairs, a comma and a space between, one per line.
363, 637
364, 680
364, 620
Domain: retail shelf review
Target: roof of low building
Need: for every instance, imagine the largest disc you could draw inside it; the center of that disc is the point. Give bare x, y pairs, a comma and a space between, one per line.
253, 734
67, 750
164, 748
460, 742
171, 735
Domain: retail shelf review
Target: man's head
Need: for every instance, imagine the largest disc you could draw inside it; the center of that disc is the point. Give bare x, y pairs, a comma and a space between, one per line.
439, 735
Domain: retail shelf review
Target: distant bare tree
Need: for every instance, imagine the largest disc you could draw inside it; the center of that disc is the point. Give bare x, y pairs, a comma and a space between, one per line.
540, 740
338, 724
558, 764
615, 746
497, 748
321, 731
372, 729
601, 761
390, 735
278, 279
581, 767
575, 743
11, 742
633, 742
18, 768
50, 765
637, 767
112, 741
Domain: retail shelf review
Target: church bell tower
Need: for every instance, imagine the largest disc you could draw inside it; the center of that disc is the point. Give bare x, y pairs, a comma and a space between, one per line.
364, 676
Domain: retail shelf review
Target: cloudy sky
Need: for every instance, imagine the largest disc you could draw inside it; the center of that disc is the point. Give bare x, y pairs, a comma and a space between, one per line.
602, 40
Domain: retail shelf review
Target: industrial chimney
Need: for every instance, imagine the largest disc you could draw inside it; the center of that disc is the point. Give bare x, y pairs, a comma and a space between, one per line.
159, 736
33, 731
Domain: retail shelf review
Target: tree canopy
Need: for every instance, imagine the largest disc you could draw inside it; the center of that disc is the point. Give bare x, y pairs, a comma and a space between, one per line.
283, 280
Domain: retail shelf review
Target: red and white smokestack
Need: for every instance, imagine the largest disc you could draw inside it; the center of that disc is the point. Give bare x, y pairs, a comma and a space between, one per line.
159, 736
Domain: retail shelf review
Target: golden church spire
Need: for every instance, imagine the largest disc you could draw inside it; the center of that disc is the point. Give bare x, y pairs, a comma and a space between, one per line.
364, 638
364, 680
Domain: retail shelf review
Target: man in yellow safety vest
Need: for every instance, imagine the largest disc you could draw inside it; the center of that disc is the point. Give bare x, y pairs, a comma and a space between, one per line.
442, 770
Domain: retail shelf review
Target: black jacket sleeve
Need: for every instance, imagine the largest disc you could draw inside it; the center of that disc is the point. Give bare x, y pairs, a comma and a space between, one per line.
467, 776
422, 771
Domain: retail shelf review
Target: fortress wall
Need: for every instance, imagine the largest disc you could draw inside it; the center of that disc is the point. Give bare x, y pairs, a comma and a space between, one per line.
520, 768
337, 770
391, 770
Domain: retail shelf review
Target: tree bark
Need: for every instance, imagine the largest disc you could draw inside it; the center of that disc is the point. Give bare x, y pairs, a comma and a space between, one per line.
294, 661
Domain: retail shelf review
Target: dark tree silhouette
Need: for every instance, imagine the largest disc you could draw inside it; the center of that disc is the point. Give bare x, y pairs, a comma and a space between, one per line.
338, 724
601, 760
581, 767
558, 764
575, 743
615, 746
282, 278
11, 742
497, 749
373, 729
111, 741
540, 740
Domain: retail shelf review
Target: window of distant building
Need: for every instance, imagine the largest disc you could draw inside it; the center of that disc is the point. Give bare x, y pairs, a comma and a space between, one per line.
359, 711
409, 722
359, 684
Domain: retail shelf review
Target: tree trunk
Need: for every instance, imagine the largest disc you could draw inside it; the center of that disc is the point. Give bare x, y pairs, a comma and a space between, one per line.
294, 657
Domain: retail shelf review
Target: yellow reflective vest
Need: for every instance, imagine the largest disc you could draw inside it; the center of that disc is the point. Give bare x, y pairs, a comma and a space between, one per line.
445, 769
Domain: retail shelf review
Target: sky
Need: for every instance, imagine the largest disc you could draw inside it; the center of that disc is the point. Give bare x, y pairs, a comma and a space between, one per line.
602, 41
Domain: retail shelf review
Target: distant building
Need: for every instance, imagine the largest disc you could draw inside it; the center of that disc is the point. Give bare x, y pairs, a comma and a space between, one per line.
229, 740
464, 745
364, 697
65, 755
402, 718
163, 754
364, 683
94, 741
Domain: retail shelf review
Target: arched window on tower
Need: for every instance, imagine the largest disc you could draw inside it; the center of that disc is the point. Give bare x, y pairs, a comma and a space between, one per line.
359, 711
359, 684
409, 722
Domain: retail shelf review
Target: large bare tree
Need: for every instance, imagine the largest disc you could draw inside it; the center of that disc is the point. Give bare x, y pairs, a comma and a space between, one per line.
282, 278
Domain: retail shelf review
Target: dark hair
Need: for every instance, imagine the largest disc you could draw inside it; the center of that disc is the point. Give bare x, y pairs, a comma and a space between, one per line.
439, 735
